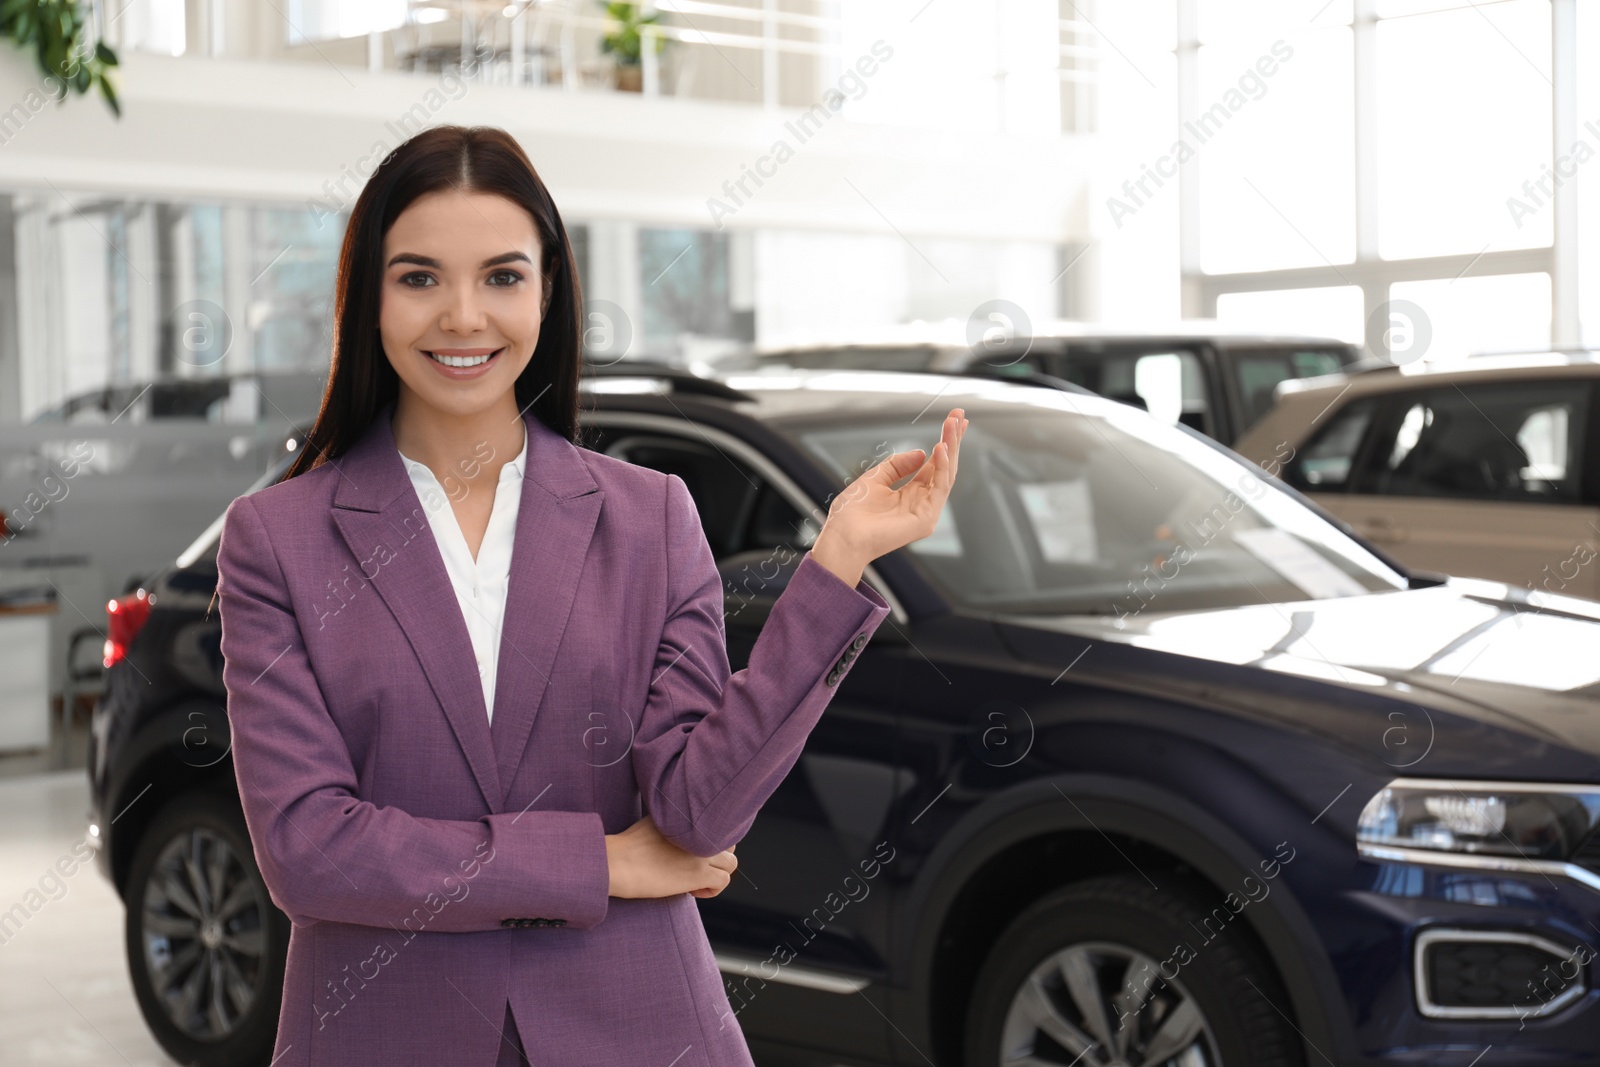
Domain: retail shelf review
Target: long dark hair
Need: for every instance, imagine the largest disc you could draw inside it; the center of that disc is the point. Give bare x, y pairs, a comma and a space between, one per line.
483, 159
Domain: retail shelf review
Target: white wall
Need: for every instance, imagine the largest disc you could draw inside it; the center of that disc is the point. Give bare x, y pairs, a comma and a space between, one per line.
260, 130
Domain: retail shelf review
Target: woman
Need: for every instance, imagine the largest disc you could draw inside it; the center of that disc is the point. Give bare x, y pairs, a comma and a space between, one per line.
424, 626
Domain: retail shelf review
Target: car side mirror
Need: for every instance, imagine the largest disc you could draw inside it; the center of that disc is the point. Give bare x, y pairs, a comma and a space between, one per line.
1425, 579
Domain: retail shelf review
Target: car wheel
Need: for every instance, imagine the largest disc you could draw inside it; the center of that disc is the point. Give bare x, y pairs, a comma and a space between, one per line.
205, 944
1112, 972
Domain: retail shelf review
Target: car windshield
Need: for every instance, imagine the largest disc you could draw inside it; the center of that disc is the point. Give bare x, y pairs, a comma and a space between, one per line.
1067, 504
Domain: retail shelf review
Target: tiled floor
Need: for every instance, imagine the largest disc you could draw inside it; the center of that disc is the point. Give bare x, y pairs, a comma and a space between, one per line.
65, 996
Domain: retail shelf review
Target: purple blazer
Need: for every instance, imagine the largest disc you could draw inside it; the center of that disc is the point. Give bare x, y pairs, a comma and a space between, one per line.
436, 870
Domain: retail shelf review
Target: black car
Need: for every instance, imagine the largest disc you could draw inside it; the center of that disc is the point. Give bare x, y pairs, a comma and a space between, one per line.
1214, 380
1151, 763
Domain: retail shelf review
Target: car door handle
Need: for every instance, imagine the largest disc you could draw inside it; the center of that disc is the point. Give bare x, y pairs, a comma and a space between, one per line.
1381, 530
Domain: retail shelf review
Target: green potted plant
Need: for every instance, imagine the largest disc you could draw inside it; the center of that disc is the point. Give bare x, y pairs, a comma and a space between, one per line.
624, 40
56, 30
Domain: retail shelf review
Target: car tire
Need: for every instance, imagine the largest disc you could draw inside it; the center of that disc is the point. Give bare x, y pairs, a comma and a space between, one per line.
207, 963
1055, 987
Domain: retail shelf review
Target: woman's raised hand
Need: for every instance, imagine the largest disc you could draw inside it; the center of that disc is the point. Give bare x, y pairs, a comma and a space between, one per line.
869, 518
645, 864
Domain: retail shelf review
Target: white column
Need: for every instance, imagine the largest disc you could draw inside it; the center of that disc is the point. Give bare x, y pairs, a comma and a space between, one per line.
1193, 303
237, 274
742, 272
769, 53
144, 294
614, 272
1564, 321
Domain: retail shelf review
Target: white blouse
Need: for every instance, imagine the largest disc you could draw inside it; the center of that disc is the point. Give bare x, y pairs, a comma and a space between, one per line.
480, 584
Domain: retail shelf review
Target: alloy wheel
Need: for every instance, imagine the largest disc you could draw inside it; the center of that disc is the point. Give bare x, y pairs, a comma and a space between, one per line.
202, 930
1100, 1004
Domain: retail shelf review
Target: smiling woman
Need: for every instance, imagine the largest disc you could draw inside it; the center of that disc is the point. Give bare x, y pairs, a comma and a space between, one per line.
450, 314
395, 744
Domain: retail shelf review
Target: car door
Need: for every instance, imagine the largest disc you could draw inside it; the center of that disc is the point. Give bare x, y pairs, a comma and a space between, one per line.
799, 931
1487, 480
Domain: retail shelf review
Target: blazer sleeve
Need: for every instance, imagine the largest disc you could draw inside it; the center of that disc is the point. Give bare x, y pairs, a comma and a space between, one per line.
712, 745
325, 853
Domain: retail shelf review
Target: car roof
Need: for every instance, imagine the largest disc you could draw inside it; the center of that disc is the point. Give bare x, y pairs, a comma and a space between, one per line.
953, 333
804, 395
1493, 367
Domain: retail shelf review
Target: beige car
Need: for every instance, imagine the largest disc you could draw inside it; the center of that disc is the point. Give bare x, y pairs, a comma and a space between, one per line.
1485, 468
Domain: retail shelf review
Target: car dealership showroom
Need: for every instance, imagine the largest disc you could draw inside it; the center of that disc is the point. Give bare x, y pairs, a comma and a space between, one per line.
1234, 702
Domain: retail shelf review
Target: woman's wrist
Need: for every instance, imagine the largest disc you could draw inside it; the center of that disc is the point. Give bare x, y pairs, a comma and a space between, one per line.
613, 861
841, 560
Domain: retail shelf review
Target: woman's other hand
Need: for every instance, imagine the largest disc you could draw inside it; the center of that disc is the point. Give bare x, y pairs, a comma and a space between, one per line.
869, 518
645, 864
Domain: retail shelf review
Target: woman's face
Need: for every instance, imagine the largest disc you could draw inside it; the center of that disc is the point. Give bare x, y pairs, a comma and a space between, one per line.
461, 279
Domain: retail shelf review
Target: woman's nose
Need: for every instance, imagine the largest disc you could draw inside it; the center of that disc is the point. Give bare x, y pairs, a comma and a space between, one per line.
463, 313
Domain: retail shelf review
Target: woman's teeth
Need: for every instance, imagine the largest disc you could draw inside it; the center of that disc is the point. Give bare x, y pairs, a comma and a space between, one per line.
464, 361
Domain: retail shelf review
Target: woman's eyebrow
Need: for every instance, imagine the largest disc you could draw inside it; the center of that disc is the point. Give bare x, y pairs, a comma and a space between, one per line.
429, 261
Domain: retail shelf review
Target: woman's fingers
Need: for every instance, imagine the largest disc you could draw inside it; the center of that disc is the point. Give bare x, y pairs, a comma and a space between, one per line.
897, 466
954, 454
949, 438
719, 875
945, 475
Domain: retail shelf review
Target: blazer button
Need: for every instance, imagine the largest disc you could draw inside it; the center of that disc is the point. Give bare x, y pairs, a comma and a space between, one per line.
541, 922
861, 639
508, 922
833, 676
558, 922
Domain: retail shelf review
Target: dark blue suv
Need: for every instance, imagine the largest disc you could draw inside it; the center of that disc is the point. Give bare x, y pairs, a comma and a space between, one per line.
1152, 763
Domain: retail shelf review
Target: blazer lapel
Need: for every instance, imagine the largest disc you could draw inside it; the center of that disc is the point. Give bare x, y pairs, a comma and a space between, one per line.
381, 518
556, 519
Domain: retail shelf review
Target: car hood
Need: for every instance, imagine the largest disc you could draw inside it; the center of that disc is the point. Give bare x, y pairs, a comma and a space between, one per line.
1507, 657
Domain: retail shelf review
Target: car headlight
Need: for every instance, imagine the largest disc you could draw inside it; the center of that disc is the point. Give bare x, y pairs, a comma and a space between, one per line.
1530, 821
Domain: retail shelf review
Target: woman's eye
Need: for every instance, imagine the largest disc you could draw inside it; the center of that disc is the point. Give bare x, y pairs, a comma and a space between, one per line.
510, 274
406, 279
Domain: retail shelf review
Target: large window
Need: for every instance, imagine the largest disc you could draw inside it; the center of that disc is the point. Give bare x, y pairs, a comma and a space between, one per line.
1463, 120
1400, 169
1334, 311
113, 291
1507, 313
1273, 136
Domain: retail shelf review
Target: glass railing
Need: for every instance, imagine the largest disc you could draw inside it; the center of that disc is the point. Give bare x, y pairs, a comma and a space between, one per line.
775, 53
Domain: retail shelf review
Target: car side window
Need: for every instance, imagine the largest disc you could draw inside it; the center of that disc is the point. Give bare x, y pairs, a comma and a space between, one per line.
1325, 464
757, 536
1501, 441
1169, 385
1260, 373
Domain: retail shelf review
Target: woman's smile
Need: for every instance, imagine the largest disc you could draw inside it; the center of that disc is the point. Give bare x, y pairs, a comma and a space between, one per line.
463, 362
